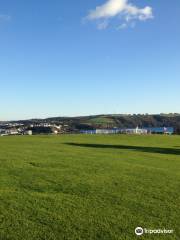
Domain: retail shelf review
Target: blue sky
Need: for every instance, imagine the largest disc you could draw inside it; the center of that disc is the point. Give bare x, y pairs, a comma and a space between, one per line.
69, 58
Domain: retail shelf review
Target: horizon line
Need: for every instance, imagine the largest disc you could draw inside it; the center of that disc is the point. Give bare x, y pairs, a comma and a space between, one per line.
90, 115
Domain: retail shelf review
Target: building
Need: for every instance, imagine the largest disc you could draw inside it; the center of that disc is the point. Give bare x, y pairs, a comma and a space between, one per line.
107, 131
161, 130
28, 132
88, 131
116, 131
134, 131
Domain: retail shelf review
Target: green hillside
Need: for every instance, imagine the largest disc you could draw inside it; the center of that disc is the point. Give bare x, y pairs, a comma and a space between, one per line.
115, 121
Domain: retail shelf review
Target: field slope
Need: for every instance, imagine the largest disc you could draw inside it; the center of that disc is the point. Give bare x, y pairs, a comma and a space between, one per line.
88, 187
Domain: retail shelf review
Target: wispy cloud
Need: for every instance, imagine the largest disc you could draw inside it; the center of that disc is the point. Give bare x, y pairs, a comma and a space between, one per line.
123, 10
4, 18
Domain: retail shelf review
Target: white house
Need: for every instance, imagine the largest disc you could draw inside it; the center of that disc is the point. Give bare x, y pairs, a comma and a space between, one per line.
135, 131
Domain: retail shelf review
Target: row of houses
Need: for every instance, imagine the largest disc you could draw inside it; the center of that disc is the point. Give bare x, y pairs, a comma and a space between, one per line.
54, 129
7, 132
46, 125
33, 129
137, 130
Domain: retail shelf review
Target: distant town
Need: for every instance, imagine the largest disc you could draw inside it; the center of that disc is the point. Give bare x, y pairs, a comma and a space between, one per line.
100, 124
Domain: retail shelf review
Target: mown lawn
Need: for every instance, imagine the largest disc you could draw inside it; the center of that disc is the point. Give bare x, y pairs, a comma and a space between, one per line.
89, 187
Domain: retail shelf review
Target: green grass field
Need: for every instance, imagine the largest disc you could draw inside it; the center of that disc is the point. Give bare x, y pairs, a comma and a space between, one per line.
89, 187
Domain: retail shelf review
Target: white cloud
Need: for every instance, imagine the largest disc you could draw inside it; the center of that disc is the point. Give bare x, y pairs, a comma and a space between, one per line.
122, 8
102, 25
4, 18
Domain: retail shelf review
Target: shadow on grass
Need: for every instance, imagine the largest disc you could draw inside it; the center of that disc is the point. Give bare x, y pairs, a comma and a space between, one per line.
174, 151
